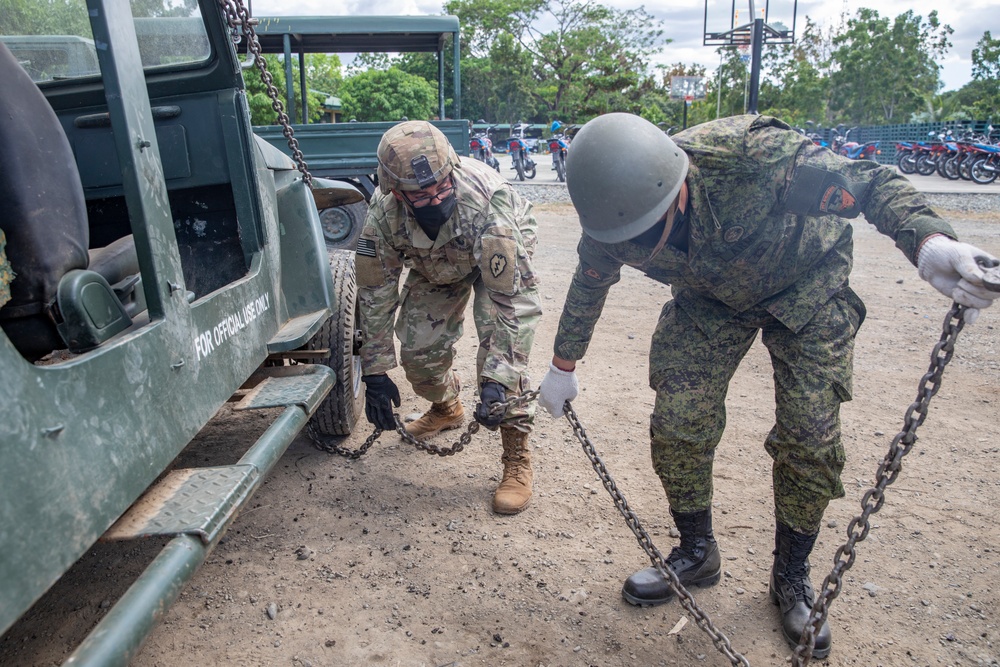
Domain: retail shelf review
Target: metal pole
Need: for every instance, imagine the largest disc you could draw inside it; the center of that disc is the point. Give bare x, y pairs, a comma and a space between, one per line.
289, 77
456, 105
441, 85
757, 48
718, 103
302, 85
684, 125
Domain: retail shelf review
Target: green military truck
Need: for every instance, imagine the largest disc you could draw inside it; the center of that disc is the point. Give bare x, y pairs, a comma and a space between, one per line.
165, 261
346, 151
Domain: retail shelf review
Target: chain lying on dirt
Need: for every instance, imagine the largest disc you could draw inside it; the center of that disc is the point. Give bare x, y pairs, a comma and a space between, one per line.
238, 17
887, 472
322, 442
646, 542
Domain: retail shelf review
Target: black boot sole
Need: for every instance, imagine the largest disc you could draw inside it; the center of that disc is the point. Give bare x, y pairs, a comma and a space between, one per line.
710, 580
818, 653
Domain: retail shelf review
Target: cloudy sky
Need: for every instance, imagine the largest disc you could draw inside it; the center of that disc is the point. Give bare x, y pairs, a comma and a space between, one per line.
684, 21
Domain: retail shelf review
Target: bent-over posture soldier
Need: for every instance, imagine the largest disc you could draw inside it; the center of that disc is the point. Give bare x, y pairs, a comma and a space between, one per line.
463, 232
747, 221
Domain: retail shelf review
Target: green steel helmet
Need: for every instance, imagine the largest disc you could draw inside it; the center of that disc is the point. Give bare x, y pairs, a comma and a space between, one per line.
412, 156
622, 173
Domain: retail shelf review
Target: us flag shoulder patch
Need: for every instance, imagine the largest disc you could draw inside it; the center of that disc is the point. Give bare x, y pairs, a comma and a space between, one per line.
366, 247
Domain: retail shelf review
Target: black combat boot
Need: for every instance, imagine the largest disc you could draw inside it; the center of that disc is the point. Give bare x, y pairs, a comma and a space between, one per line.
695, 562
791, 589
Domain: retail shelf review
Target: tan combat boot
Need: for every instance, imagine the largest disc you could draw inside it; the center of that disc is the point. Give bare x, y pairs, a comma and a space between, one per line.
514, 492
441, 417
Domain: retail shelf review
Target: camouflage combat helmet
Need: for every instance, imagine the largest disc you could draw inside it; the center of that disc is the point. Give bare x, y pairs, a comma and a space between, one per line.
413, 155
622, 173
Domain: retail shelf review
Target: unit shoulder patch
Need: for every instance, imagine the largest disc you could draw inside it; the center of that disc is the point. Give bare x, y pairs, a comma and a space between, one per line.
499, 265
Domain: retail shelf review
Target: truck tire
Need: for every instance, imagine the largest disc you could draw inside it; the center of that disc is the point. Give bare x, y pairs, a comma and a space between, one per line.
342, 225
340, 410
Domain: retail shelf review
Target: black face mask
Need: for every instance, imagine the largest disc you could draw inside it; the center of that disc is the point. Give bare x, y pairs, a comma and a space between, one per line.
432, 217
651, 237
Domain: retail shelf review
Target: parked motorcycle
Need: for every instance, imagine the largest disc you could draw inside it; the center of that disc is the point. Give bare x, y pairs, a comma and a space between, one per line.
481, 147
853, 149
985, 169
520, 159
905, 160
558, 145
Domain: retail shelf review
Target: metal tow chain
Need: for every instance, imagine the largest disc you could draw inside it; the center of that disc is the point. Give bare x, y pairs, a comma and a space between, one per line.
322, 442
646, 542
238, 17
887, 472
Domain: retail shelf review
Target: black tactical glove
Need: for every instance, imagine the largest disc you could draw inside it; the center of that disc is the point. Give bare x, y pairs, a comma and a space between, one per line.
381, 394
489, 394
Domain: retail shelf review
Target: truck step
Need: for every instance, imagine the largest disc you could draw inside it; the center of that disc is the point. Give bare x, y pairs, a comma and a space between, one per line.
202, 501
193, 501
305, 385
295, 332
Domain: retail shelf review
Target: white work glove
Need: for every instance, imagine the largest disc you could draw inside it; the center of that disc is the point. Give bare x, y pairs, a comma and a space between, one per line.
558, 386
952, 269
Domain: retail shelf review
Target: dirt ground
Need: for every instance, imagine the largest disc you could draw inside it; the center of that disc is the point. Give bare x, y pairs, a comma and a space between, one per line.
397, 559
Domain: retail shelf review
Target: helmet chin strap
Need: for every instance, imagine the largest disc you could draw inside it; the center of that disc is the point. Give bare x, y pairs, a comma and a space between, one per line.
678, 207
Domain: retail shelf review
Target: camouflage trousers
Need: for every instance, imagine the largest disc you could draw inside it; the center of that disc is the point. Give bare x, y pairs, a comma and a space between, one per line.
812, 377
6, 274
430, 323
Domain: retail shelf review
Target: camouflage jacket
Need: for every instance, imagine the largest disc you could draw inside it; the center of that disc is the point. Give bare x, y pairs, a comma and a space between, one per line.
767, 218
492, 232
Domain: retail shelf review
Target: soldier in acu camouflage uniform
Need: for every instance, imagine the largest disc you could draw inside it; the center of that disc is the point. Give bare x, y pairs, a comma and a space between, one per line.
463, 233
6, 274
746, 220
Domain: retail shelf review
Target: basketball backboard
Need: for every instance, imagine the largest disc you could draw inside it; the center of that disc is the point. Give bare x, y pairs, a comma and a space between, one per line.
729, 22
687, 88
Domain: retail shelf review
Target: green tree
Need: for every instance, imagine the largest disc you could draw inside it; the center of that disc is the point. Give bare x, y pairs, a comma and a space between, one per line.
261, 108
986, 77
886, 69
44, 17
385, 95
586, 58
797, 85
323, 72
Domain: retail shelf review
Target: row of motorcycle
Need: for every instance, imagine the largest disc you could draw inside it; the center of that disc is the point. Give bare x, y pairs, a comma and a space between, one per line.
520, 146
842, 144
970, 157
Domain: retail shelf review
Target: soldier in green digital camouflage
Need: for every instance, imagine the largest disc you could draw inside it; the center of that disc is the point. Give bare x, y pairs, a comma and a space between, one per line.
463, 233
747, 221
6, 274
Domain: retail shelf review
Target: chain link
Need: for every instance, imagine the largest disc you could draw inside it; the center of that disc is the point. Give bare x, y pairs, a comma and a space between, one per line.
646, 543
323, 442
238, 17
887, 472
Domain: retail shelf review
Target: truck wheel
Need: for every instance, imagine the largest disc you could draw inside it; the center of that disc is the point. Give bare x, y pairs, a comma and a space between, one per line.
340, 410
342, 225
